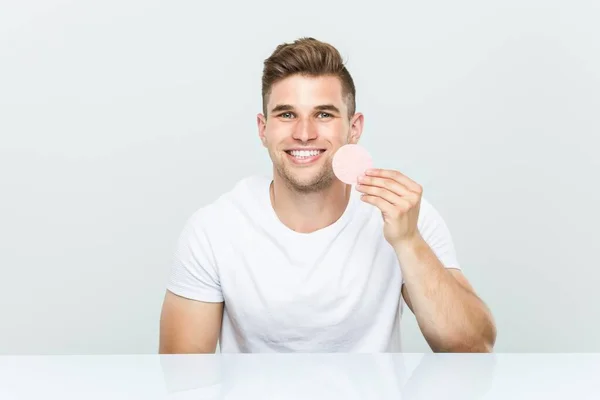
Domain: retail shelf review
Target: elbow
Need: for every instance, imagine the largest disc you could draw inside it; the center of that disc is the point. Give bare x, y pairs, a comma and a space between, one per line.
480, 347
487, 339
481, 342
474, 346
490, 338
483, 339
185, 348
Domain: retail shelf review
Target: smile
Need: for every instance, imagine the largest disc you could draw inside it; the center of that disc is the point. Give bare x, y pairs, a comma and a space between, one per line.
304, 156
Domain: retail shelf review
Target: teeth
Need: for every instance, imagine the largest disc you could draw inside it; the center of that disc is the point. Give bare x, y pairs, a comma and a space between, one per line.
305, 153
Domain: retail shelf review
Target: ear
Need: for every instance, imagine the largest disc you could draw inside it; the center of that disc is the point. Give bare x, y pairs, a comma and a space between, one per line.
261, 122
356, 127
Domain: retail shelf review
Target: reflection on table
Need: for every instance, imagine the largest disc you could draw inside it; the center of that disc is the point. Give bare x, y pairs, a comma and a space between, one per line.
302, 376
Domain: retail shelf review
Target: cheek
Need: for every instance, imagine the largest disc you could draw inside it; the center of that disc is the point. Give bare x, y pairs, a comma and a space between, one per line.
275, 136
336, 133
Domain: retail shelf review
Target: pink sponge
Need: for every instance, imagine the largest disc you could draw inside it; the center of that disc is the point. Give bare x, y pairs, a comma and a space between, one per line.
350, 162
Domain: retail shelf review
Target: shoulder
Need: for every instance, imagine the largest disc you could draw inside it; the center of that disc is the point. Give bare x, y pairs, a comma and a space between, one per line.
435, 232
239, 197
432, 225
429, 216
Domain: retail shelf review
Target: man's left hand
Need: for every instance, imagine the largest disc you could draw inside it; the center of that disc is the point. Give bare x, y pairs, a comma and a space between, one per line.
399, 200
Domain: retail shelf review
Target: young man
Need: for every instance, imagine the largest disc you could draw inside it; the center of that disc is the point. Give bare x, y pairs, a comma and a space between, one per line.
301, 262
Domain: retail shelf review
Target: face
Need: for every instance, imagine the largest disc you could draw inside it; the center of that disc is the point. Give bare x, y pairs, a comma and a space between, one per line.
307, 121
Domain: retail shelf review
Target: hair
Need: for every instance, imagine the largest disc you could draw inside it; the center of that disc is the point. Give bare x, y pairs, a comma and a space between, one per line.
308, 57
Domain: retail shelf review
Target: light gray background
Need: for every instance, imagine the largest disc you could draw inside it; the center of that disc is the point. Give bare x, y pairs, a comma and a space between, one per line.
118, 119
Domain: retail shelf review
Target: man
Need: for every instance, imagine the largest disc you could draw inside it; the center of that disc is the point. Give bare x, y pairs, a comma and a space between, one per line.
301, 262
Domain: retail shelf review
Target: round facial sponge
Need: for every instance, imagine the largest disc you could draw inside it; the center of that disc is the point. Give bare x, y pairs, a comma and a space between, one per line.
350, 162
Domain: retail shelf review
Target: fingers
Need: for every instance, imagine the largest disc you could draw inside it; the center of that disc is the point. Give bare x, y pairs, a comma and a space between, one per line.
392, 210
374, 191
397, 177
389, 190
383, 205
383, 185
387, 195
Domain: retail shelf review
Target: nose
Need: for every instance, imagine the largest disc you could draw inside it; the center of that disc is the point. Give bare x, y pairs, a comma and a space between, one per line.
304, 130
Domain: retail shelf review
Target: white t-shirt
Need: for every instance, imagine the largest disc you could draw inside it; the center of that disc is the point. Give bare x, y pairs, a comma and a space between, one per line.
337, 289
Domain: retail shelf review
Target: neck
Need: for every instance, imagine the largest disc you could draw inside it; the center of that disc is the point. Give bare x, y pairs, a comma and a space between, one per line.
308, 212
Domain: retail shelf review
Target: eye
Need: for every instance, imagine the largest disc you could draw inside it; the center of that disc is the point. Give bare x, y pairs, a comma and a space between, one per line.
324, 115
286, 115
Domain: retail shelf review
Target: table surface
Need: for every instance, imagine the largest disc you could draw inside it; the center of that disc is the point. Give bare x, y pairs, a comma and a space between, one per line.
302, 376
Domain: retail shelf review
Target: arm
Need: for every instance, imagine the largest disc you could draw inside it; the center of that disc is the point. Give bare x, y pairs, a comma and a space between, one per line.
192, 310
450, 315
189, 326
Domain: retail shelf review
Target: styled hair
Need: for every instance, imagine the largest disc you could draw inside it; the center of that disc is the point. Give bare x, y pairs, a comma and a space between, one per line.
308, 57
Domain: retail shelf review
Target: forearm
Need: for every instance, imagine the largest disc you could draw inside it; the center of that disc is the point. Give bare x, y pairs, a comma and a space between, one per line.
451, 317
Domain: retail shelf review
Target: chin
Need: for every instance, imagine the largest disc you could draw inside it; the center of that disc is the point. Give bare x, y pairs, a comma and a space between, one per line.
309, 183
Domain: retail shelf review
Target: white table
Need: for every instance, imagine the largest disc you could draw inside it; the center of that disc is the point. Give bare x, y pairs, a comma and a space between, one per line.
302, 376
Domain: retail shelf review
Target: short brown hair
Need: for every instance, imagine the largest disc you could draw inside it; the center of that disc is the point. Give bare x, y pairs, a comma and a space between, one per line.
309, 57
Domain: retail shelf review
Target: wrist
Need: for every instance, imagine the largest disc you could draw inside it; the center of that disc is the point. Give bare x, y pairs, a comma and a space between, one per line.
409, 245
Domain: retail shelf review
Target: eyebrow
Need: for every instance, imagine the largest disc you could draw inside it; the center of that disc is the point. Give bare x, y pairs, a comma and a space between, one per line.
282, 107
322, 107
328, 107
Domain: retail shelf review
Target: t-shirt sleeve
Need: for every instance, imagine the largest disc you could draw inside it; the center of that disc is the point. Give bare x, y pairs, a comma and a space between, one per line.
194, 274
434, 230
